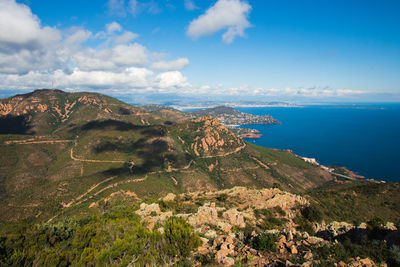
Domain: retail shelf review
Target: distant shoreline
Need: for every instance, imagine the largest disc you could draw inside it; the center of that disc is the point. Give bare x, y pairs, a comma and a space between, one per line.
185, 108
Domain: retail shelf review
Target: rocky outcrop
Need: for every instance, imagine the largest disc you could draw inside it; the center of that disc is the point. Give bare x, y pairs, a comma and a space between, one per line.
212, 138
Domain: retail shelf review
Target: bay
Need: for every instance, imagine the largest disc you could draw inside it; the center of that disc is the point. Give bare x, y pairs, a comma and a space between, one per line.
363, 138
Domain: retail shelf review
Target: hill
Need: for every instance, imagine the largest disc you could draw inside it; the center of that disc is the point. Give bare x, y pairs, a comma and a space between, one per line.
231, 116
60, 152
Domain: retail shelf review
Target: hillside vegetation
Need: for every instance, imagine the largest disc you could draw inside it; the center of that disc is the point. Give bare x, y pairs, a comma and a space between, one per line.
87, 180
72, 149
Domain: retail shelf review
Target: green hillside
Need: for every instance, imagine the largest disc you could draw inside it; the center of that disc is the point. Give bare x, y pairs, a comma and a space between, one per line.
73, 150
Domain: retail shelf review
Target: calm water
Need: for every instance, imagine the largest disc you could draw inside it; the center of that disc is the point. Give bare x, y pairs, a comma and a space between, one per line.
365, 140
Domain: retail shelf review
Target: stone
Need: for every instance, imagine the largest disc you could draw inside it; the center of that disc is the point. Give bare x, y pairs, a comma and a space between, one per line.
169, 197
314, 240
234, 217
362, 225
293, 249
229, 261
282, 242
205, 214
308, 255
307, 264
226, 227
211, 234
290, 236
305, 235
229, 240
362, 263
390, 226
338, 228
147, 209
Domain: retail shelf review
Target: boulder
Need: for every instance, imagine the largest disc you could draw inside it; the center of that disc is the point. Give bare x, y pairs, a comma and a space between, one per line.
147, 209
293, 249
362, 263
390, 226
169, 197
211, 234
205, 214
229, 261
234, 217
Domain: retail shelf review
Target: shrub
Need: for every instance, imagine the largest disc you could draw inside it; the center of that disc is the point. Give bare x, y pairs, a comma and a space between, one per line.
375, 224
263, 242
312, 213
181, 241
222, 197
303, 225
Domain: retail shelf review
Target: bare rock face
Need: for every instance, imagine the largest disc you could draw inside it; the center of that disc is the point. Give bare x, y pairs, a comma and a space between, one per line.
338, 228
212, 138
234, 217
169, 197
205, 214
362, 263
147, 209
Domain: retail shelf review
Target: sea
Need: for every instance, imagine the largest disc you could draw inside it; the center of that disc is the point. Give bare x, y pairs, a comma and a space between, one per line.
363, 138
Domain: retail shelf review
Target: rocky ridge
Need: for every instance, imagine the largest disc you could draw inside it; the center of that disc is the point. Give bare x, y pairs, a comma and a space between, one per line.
223, 218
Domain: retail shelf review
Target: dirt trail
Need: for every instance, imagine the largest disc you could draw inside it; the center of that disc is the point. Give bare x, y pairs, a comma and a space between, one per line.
87, 192
93, 160
28, 142
261, 163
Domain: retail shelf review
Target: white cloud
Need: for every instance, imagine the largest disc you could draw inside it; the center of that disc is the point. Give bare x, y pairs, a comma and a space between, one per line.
126, 37
190, 5
20, 29
231, 15
117, 7
171, 79
113, 27
170, 65
121, 7
113, 59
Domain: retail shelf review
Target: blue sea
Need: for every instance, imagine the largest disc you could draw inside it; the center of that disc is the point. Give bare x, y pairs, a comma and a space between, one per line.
363, 138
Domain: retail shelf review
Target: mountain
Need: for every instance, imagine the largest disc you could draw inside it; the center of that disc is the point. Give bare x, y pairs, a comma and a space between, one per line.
62, 151
87, 180
231, 116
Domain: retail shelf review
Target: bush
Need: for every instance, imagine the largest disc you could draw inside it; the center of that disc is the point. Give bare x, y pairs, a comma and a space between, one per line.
180, 239
263, 242
303, 225
312, 213
222, 197
375, 224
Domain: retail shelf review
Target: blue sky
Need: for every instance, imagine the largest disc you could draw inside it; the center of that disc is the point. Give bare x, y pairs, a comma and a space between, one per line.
259, 49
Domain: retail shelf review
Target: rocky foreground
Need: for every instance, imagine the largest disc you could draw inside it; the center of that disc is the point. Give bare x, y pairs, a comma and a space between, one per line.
257, 228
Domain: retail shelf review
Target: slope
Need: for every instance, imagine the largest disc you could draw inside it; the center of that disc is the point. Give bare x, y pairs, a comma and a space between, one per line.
79, 149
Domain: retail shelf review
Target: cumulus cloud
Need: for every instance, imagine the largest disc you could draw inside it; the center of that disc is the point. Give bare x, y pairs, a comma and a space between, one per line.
34, 56
229, 15
190, 5
171, 79
20, 29
112, 59
112, 27
126, 37
170, 65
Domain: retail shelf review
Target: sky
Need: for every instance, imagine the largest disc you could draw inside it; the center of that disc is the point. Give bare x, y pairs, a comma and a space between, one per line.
293, 50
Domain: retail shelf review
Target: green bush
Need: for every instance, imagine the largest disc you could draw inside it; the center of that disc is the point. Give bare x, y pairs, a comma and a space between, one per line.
303, 225
181, 241
312, 213
263, 242
116, 237
375, 224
